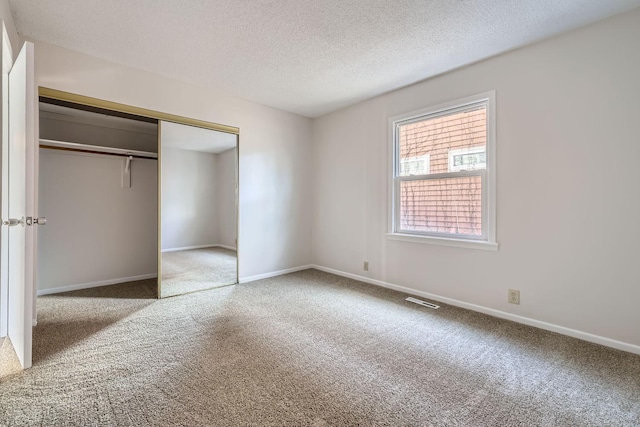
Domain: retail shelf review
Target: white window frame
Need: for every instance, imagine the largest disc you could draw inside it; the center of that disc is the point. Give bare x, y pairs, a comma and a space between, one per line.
487, 240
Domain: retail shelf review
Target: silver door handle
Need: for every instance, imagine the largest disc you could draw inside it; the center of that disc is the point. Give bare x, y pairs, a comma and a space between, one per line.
40, 221
11, 222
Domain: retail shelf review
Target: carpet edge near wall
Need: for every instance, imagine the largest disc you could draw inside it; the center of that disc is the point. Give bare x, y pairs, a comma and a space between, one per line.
89, 285
562, 330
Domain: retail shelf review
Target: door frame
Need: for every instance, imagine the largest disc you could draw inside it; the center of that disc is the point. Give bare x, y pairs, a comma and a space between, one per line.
87, 101
7, 63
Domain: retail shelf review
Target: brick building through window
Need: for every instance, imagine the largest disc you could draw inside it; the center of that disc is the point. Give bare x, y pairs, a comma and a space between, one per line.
442, 160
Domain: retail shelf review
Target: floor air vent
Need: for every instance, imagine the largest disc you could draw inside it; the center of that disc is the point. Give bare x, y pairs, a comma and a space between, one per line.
419, 301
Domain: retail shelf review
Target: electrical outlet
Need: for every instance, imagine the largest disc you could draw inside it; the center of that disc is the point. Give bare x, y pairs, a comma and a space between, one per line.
514, 296
366, 266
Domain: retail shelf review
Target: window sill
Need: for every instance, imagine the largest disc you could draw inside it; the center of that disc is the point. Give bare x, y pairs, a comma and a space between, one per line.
441, 241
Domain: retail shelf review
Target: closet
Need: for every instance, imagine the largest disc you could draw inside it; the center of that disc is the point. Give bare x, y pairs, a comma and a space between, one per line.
131, 194
98, 188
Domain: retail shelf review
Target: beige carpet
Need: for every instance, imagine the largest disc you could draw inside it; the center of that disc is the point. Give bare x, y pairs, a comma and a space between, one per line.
9, 362
306, 349
197, 269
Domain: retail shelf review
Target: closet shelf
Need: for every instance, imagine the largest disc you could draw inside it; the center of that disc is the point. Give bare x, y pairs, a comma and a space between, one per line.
97, 149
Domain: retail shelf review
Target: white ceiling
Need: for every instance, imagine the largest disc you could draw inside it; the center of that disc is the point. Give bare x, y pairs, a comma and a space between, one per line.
305, 56
177, 136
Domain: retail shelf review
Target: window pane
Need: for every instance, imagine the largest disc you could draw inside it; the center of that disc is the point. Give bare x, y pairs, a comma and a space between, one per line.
447, 205
450, 143
418, 165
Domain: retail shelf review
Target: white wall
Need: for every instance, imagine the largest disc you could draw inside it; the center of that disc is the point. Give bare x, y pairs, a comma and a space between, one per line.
7, 18
96, 230
567, 185
226, 197
198, 198
189, 199
275, 177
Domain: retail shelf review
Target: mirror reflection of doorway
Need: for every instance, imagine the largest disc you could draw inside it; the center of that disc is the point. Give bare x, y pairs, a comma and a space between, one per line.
198, 209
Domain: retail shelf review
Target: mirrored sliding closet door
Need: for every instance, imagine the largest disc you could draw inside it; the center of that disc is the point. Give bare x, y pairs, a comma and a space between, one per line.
198, 209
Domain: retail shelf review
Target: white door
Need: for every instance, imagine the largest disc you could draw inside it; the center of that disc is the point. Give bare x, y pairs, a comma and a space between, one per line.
22, 161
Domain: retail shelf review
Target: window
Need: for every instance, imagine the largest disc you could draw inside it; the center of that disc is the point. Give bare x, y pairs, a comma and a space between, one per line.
416, 165
472, 158
444, 174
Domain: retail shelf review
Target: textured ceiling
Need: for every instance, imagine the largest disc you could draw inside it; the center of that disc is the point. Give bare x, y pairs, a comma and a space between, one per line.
305, 56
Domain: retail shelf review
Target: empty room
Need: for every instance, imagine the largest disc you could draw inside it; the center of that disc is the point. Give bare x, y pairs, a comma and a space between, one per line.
320, 213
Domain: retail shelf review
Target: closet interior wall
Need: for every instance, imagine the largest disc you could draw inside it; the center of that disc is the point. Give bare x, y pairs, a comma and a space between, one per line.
198, 199
99, 230
227, 187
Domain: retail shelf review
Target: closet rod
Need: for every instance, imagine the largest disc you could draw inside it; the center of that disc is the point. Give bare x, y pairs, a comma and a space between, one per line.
96, 149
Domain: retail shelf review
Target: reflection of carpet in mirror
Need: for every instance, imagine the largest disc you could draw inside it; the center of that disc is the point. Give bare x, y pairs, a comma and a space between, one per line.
197, 269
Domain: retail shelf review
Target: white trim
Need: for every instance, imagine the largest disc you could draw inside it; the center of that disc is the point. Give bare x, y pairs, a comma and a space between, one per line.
444, 241
187, 248
275, 273
231, 248
585, 336
7, 63
95, 284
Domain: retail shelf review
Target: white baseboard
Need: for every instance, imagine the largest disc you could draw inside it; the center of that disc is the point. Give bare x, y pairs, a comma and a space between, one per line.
186, 248
95, 284
631, 348
275, 273
231, 248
